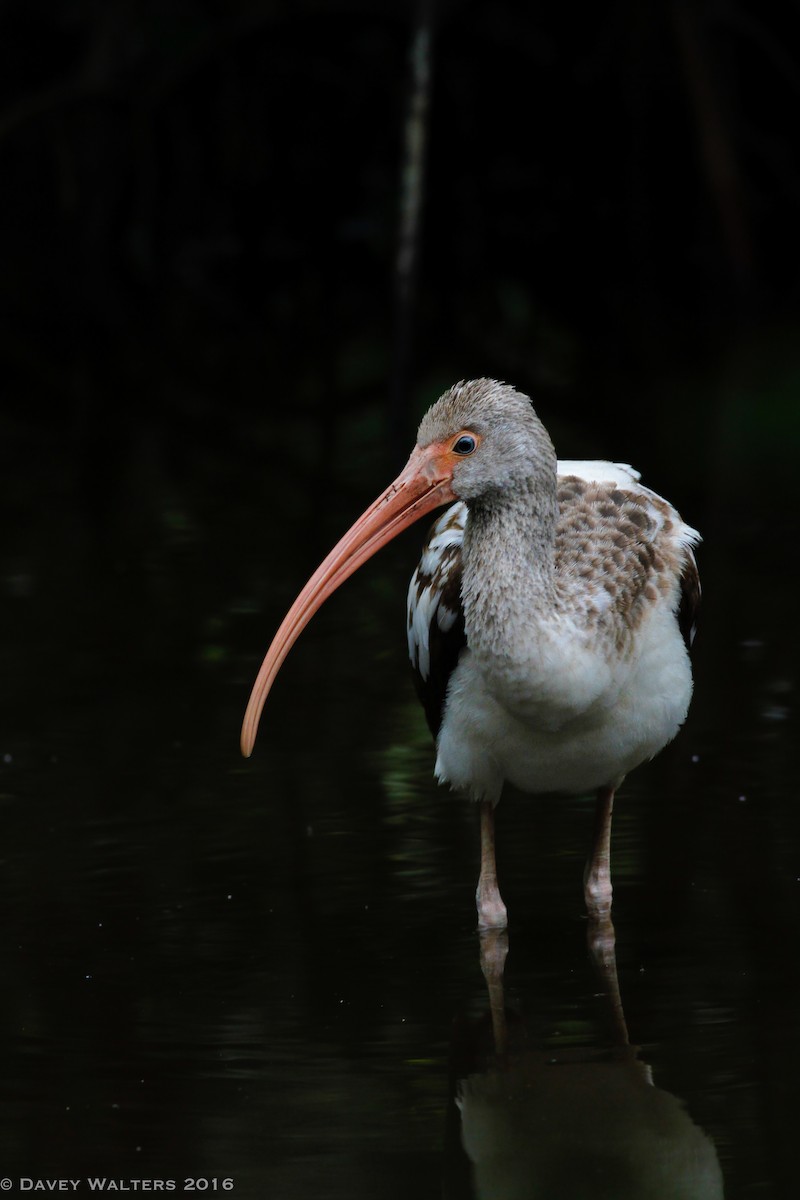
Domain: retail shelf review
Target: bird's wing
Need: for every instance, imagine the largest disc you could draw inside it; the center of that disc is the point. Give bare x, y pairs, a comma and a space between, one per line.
435, 615
598, 471
624, 546
689, 607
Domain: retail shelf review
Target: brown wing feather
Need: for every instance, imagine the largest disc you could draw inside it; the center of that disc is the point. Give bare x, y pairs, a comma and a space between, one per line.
436, 616
689, 607
444, 648
620, 550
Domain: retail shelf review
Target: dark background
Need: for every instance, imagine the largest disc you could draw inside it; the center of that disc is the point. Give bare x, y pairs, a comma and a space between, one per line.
208, 366
200, 211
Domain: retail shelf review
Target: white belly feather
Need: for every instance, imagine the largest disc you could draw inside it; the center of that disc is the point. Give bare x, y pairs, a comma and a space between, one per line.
484, 742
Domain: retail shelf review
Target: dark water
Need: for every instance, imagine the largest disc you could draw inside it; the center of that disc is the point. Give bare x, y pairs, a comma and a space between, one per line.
267, 972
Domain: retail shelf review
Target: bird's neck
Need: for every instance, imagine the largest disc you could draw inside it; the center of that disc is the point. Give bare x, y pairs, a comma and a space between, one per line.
509, 571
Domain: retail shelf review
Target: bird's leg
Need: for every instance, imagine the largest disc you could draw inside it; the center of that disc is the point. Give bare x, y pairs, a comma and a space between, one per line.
601, 942
491, 909
597, 876
494, 948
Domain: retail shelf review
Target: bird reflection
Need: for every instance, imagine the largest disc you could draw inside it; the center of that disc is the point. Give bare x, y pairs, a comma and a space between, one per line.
537, 1124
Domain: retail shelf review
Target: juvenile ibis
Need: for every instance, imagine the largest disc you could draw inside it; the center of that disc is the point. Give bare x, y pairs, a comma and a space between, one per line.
548, 619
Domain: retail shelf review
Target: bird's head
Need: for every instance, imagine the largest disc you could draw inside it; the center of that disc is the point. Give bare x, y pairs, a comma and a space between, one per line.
478, 439
485, 438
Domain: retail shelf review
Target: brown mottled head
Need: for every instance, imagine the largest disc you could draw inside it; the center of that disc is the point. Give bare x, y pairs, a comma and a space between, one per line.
493, 436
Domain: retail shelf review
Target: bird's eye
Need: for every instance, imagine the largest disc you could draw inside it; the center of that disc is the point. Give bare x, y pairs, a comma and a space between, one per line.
465, 444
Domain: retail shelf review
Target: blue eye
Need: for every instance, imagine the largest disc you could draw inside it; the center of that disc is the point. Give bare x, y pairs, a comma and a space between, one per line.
465, 444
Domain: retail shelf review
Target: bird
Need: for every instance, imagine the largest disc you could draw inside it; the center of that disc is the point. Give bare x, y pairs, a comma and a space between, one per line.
549, 619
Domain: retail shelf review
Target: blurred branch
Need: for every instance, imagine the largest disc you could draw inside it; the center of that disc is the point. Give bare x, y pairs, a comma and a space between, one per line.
412, 188
93, 77
774, 51
49, 99
717, 153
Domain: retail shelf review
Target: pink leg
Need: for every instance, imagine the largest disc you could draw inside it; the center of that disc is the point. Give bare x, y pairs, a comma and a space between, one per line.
597, 876
491, 909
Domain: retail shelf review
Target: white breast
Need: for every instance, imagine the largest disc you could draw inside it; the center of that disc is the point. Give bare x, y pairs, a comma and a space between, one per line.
483, 742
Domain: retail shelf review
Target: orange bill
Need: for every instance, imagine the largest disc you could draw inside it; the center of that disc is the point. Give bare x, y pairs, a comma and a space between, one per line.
422, 485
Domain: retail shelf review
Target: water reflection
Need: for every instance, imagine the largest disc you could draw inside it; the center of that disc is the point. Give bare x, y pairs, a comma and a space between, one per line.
526, 1122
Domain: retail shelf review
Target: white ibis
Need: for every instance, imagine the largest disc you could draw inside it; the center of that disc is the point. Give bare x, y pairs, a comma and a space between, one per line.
548, 620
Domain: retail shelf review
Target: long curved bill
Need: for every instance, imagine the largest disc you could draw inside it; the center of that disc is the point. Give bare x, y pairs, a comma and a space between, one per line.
422, 485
